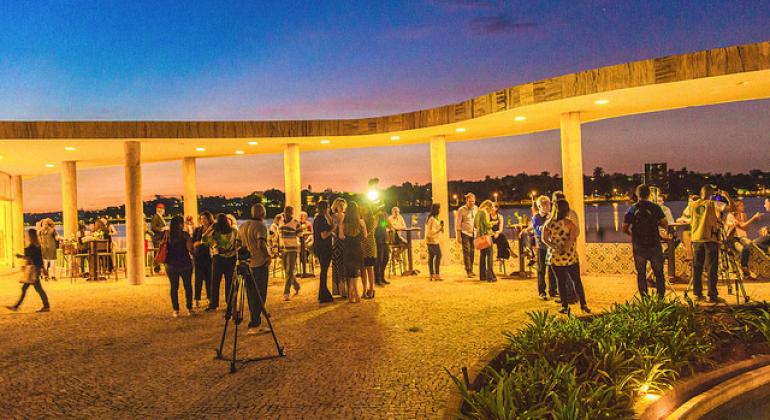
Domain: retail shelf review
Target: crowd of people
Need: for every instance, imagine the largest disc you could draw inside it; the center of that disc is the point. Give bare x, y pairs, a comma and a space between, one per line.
355, 243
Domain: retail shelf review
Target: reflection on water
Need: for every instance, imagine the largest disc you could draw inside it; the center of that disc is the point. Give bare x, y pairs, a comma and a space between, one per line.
615, 215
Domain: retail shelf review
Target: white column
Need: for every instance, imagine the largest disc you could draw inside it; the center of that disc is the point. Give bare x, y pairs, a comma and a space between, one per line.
440, 189
69, 196
189, 179
135, 224
572, 174
17, 217
292, 180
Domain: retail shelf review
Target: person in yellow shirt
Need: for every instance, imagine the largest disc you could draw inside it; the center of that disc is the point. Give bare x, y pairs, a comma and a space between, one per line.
705, 227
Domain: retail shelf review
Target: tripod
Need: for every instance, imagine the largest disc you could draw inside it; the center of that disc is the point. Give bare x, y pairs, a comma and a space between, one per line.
727, 265
235, 311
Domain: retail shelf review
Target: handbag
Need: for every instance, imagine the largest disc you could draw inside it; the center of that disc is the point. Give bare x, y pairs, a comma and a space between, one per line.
482, 242
28, 274
162, 253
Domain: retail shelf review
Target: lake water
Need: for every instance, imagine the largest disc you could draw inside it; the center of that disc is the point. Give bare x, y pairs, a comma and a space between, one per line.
603, 221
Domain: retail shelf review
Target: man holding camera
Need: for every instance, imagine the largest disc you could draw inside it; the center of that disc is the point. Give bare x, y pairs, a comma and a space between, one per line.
705, 228
253, 236
642, 222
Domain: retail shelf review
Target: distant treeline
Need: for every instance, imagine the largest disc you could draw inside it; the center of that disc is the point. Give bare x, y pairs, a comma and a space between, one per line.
510, 189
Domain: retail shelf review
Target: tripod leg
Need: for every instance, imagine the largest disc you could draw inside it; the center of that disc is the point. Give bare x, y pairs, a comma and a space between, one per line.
269, 322
227, 321
238, 314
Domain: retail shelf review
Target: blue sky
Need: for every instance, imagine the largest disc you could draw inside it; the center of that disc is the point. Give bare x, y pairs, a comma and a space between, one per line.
177, 60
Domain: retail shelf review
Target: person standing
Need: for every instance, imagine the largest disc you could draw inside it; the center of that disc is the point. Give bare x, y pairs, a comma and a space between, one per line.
34, 265
322, 240
158, 228
465, 218
705, 227
352, 233
434, 228
498, 233
202, 257
179, 264
221, 239
762, 241
370, 253
560, 234
642, 222
253, 236
484, 228
289, 231
49, 244
339, 279
383, 252
543, 270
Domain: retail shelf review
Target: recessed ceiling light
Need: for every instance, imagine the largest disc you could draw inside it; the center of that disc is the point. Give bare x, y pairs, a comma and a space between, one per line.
394, 138
602, 101
460, 129
70, 149
239, 152
519, 118
325, 141
200, 149
1, 158
253, 143
49, 165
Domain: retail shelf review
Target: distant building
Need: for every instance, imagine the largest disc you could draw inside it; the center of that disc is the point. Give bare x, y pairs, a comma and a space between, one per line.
656, 174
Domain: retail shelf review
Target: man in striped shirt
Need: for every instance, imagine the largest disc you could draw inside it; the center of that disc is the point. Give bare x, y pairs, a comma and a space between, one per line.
289, 231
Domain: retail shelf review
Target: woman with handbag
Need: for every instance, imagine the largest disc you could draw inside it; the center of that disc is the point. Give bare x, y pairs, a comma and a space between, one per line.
483, 242
34, 264
560, 234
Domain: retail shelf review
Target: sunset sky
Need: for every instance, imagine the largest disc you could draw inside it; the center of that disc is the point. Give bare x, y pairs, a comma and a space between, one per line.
236, 60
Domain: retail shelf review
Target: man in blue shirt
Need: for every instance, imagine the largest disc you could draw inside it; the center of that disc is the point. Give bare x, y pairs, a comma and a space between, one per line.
538, 220
642, 222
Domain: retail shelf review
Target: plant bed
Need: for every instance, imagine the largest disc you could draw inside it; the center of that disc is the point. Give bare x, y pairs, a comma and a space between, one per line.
604, 366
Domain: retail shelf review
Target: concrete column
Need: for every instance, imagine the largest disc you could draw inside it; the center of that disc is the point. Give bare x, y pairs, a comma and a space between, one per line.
440, 189
189, 179
135, 225
69, 196
572, 174
17, 218
292, 180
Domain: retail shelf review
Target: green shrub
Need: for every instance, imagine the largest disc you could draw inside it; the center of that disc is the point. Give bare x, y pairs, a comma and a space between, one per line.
569, 368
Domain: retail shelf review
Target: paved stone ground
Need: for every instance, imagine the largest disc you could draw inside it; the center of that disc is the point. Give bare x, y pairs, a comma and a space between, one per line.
110, 350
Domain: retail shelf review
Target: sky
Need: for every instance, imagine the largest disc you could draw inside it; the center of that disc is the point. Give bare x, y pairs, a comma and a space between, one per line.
236, 60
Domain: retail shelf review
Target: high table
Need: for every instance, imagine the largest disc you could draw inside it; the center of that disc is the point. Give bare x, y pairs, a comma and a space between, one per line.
410, 269
95, 246
303, 255
516, 229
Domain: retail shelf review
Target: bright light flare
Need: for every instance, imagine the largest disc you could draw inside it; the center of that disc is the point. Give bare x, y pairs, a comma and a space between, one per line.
373, 195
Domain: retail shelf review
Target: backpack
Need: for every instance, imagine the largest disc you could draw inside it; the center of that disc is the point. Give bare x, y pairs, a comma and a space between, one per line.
644, 229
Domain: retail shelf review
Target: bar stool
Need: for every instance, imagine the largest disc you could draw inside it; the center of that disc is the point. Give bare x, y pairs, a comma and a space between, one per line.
119, 262
501, 266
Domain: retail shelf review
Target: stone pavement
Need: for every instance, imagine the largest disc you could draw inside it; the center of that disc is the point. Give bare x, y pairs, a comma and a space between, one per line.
110, 350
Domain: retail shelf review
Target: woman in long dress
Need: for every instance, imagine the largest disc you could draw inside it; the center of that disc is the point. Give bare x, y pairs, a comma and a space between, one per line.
498, 233
352, 233
339, 282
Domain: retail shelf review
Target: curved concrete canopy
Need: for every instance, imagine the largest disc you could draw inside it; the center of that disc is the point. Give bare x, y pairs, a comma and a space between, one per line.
701, 78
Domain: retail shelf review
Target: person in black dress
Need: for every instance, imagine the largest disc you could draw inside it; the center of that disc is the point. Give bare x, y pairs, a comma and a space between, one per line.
179, 264
498, 233
322, 241
34, 257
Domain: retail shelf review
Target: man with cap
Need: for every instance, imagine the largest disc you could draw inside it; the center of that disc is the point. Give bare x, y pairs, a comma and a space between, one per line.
158, 228
464, 217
